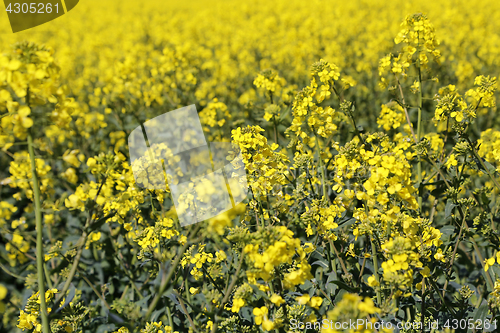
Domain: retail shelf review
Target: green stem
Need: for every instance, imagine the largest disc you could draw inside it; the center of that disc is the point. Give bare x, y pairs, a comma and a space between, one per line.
454, 253
342, 264
47, 276
122, 264
181, 302
476, 155
375, 269
228, 292
489, 281
323, 177
101, 297
462, 214
188, 294
331, 263
436, 289
165, 281
422, 308
349, 113
358, 133
403, 103
12, 274
39, 238
419, 132
169, 316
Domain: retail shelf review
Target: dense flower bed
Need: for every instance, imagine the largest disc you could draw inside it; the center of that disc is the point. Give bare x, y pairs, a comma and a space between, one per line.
369, 137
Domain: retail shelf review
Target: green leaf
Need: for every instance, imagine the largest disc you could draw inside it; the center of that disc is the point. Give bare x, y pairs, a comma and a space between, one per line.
491, 168
448, 230
69, 298
345, 286
479, 314
97, 224
320, 263
448, 209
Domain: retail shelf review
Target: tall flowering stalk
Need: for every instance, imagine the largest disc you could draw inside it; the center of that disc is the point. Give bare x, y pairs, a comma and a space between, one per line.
39, 237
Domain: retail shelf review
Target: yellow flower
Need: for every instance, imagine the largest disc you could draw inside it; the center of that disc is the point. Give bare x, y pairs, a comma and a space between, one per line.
303, 299
316, 302
368, 306
26, 320
267, 325
259, 314
372, 281
439, 255
22, 119
426, 272
3, 292
238, 303
277, 299
71, 157
488, 263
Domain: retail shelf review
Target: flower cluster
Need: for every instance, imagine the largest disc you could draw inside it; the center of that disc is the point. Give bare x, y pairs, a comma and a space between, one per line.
265, 167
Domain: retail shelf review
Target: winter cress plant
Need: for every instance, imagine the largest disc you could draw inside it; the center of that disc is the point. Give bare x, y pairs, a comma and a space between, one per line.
372, 160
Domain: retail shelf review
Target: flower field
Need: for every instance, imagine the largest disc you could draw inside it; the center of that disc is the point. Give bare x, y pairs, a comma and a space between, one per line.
371, 147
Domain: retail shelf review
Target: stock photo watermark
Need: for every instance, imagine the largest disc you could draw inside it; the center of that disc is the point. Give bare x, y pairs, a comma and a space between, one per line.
24, 14
366, 324
204, 178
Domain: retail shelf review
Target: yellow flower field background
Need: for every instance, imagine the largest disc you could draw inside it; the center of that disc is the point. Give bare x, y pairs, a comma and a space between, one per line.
371, 143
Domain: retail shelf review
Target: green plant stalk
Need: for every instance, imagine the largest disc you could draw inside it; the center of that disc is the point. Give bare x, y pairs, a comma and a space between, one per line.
271, 287
165, 282
12, 274
471, 238
454, 253
332, 263
275, 130
375, 268
406, 110
188, 294
489, 281
422, 308
323, 176
212, 280
181, 302
169, 315
349, 113
228, 292
47, 276
476, 155
73, 269
409, 317
261, 210
101, 297
419, 132
342, 264
358, 133
434, 286
166, 279
120, 261
323, 292
39, 238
